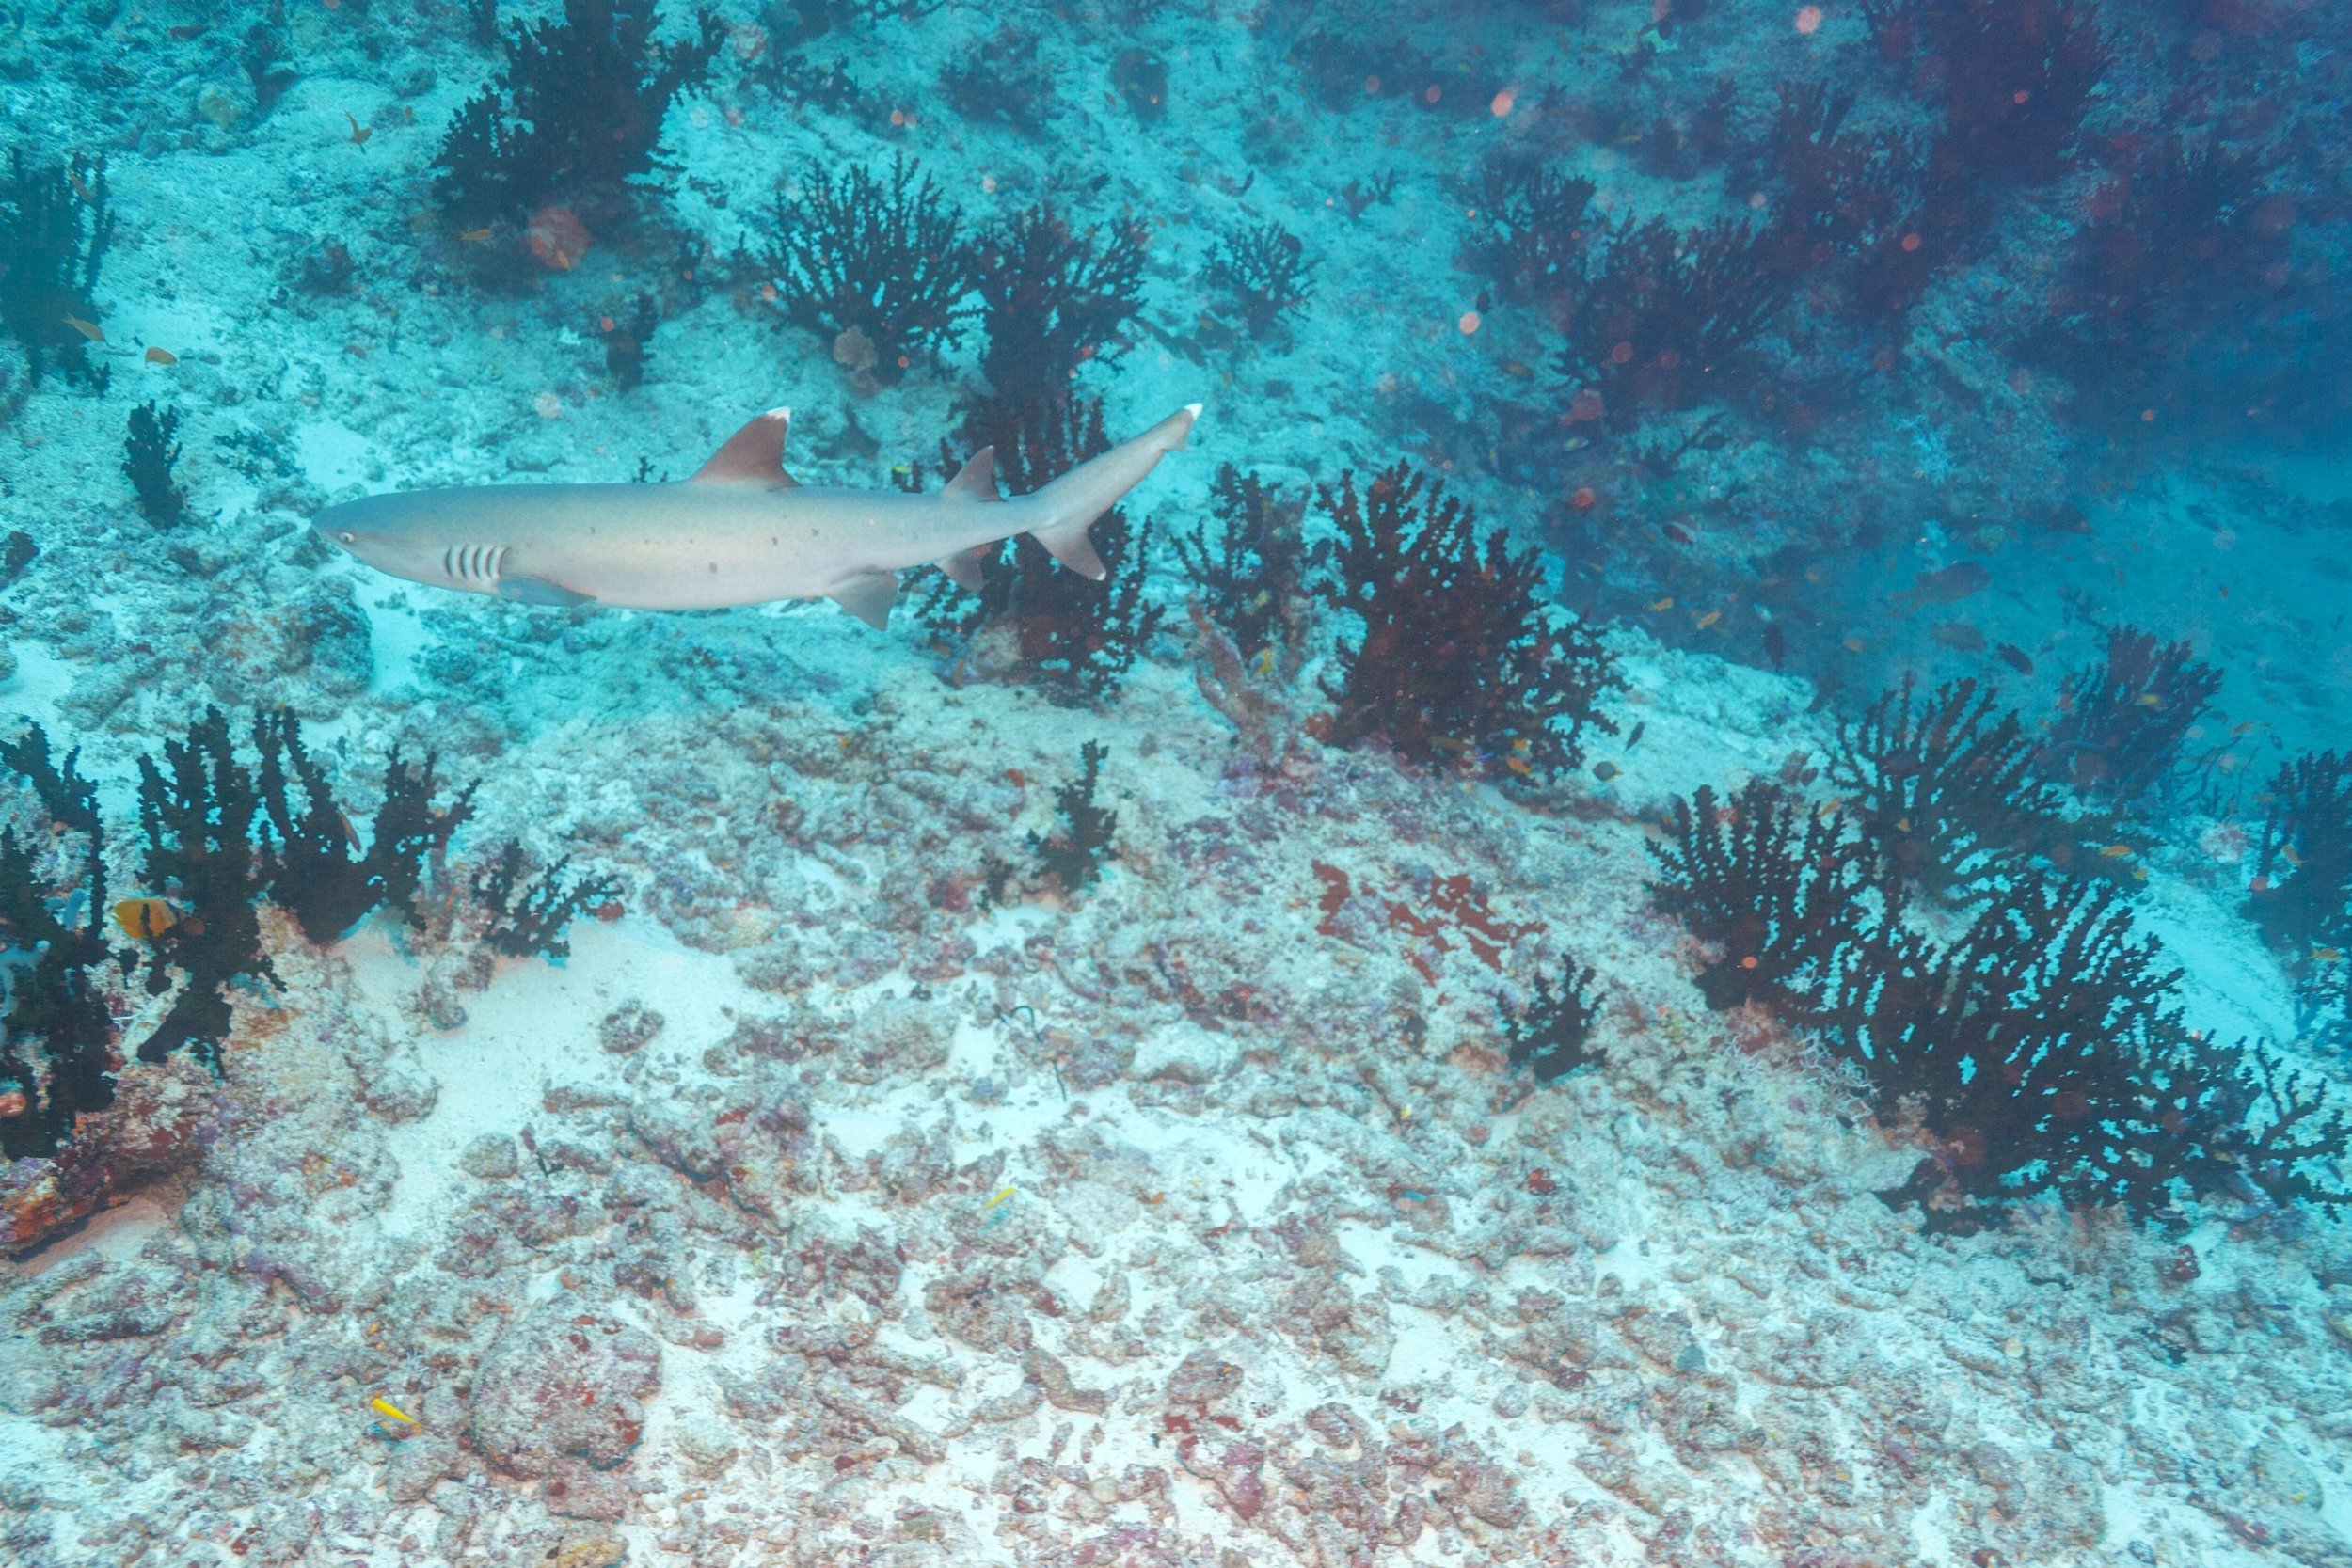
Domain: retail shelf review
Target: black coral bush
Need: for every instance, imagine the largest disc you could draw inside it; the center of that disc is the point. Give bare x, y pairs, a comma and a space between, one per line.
2123, 722
2041, 1049
1460, 659
54, 227
1052, 299
1249, 571
883, 258
1073, 856
575, 114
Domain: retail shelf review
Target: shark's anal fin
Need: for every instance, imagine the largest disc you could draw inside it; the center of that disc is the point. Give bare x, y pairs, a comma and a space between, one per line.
977, 480
869, 597
753, 455
540, 590
963, 567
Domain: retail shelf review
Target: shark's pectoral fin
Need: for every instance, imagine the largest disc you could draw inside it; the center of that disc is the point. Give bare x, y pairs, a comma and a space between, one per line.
964, 567
869, 597
753, 455
540, 590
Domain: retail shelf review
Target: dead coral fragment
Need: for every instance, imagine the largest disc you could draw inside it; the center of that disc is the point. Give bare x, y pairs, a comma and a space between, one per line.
1460, 661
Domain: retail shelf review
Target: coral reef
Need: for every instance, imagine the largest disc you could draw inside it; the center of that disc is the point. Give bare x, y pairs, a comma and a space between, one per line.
1460, 662
1054, 300
1533, 232
54, 227
574, 114
148, 454
2014, 77
883, 261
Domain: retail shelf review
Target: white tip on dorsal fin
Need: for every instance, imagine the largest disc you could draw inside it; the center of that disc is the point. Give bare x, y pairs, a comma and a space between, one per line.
977, 480
753, 455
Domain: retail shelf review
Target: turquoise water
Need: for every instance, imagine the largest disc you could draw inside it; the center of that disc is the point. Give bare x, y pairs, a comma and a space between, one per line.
904, 783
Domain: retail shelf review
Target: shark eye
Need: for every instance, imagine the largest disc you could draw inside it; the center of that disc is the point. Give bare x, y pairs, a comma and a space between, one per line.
348, 536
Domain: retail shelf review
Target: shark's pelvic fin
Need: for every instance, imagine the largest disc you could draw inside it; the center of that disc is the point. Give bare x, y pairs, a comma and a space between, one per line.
540, 590
964, 568
753, 455
869, 597
977, 480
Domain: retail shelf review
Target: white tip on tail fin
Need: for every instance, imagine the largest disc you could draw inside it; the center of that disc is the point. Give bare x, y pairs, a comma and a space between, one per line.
1072, 502
753, 455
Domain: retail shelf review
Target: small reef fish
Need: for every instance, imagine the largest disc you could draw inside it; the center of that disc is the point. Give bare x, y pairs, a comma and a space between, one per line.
161, 356
145, 918
473, 236
360, 134
740, 531
91, 330
386, 1408
999, 1199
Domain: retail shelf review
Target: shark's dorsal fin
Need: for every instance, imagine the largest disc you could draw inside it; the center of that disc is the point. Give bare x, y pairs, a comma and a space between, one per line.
869, 597
977, 480
753, 455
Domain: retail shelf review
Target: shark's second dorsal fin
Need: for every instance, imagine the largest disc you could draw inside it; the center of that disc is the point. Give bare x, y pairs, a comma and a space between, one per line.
977, 480
753, 455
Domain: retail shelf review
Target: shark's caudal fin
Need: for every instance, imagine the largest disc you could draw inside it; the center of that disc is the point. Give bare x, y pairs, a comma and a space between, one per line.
1069, 506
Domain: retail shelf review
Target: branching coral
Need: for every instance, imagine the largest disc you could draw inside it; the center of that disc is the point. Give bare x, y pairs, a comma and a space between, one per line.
1076, 636
1265, 269
1055, 299
55, 227
148, 454
1534, 232
2122, 722
1460, 661
315, 870
2301, 896
1666, 316
1552, 1035
1073, 856
2015, 77
574, 114
1250, 572
884, 259
1949, 794
198, 810
2043, 1049
55, 968
520, 917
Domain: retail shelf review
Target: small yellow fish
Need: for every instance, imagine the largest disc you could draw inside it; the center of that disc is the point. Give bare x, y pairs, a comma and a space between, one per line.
360, 134
2148, 699
386, 1408
1710, 619
91, 330
80, 189
2292, 857
145, 918
2115, 852
1662, 604
474, 236
2327, 955
1852, 644
999, 1199
161, 356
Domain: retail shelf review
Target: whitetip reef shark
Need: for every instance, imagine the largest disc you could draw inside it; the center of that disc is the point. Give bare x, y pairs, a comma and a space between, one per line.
739, 532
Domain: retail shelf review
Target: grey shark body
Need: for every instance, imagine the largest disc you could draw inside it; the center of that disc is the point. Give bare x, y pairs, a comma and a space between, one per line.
739, 532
